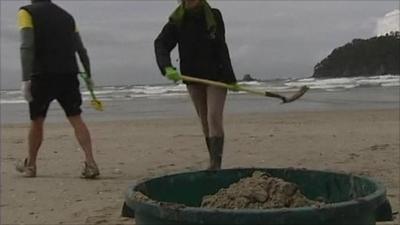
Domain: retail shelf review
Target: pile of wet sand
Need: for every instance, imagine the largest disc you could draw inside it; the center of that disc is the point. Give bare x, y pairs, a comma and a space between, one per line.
260, 191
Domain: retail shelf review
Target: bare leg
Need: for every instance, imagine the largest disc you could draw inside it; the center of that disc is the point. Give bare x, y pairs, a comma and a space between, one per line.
35, 139
215, 104
83, 136
198, 93
199, 98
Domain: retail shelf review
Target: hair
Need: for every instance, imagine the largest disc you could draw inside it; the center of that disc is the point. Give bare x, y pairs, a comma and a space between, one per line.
35, 1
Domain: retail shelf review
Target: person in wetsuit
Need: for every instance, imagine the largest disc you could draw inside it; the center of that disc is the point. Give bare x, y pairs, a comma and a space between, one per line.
49, 43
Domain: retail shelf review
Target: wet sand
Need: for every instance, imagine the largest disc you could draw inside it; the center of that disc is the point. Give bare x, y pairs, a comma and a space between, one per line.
364, 142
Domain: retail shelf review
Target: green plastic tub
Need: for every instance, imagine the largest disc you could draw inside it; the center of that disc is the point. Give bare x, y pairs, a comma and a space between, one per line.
351, 199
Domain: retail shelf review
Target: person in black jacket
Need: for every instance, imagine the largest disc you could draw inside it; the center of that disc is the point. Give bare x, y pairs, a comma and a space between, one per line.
199, 32
49, 42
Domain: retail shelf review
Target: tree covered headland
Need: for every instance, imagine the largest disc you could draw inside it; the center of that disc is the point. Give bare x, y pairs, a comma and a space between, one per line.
370, 57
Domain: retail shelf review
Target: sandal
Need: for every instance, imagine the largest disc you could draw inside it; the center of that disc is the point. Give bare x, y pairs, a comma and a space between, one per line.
90, 171
28, 171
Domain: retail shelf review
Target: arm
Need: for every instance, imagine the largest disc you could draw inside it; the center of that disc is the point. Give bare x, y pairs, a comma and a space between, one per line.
27, 47
223, 52
164, 43
82, 53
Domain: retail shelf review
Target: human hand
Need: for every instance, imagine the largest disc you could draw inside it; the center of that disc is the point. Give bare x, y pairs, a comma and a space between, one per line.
26, 90
234, 87
172, 74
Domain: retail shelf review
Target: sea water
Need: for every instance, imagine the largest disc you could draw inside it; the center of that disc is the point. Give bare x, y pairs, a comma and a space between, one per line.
172, 100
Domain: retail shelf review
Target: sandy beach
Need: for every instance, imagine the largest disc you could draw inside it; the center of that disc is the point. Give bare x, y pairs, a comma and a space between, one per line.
363, 142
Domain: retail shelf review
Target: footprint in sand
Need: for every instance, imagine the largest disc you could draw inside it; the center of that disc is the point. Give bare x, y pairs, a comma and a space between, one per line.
18, 141
166, 165
379, 147
108, 215
354, 155
96, 220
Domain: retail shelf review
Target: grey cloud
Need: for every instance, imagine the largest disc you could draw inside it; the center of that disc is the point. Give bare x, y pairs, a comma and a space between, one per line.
268, 39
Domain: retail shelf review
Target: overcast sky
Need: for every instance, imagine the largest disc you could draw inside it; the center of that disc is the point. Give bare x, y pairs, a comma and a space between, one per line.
267, 39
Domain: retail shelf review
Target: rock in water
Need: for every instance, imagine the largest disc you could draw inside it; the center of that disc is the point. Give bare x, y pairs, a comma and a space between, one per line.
248, 77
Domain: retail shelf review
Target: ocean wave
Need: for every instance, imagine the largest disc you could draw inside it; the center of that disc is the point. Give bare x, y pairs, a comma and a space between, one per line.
11, 101
250, 83
130, 92
394, 84
350, 82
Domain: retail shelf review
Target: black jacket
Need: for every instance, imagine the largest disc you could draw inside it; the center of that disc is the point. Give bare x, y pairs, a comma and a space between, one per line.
55, 39
202, 54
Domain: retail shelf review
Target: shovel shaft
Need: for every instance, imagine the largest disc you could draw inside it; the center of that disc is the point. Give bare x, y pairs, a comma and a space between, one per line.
95, 103
91, 93
204, 81
221, 84
230, 86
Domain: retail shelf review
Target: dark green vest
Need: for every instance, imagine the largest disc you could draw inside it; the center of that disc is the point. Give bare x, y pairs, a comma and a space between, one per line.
55, 48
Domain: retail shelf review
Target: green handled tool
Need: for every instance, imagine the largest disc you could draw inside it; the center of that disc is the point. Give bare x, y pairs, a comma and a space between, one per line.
96, 104
236, 87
